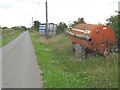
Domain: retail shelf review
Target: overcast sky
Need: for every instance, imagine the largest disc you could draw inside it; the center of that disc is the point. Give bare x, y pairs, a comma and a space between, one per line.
20, 12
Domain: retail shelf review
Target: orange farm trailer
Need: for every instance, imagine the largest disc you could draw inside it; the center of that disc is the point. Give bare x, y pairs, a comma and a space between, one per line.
95, 38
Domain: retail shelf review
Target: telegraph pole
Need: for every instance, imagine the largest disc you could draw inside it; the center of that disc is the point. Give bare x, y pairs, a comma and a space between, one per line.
32, 21
46, 17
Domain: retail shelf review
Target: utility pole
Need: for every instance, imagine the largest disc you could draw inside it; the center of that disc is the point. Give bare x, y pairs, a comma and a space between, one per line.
46, 17
32, 21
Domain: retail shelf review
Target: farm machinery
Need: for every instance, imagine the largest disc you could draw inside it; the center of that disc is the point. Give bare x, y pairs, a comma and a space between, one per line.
91, 39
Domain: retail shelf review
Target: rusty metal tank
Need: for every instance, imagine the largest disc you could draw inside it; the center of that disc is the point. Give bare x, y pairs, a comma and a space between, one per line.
97, 38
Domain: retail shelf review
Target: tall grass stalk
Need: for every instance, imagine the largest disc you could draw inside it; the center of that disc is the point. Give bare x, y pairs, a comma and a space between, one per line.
55, 59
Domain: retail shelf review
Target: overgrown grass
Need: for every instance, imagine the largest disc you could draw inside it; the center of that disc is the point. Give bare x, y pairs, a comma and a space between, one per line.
0, 42
60, 71
8, 35
0, 37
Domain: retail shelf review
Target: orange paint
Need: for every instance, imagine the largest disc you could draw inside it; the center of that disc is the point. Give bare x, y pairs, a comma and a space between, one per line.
102, 37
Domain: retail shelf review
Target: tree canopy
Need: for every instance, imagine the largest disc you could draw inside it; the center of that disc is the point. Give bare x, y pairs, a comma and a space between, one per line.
36, 25
113, 23
61, 27
78, 21
19, 28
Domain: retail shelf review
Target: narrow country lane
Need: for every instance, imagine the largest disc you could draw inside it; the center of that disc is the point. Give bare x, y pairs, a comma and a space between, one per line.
0, 68
19, 64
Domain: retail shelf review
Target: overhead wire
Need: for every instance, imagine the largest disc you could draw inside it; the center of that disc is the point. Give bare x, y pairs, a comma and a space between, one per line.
33, 16
36, 9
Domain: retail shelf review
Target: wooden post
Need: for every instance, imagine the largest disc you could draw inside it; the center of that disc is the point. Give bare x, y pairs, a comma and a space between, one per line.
46, 18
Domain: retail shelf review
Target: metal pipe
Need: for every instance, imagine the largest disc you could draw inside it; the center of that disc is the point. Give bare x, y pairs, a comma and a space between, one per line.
79, 36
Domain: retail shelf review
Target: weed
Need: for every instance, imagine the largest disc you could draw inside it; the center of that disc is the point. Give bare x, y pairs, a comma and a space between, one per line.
55, 59
8, 35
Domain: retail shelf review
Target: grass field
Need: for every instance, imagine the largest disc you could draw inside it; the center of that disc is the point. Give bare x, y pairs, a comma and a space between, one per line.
8, 35
55, 59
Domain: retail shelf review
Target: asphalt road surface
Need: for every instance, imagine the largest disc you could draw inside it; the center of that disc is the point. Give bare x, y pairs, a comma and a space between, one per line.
19, 64
0, 62
0, 68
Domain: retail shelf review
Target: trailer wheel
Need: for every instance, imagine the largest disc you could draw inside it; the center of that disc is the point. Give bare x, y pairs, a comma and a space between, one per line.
78, 52
106, 52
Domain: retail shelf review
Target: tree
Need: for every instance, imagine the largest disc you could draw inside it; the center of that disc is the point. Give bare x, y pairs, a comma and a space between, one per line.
61, 27
79, 21
15, 28
19, 28
36, 25
23, 27
113, 23
4, 27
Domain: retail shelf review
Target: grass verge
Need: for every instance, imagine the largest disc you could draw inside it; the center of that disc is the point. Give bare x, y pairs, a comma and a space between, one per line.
0, 42
60, 71
0, 37
9, 35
